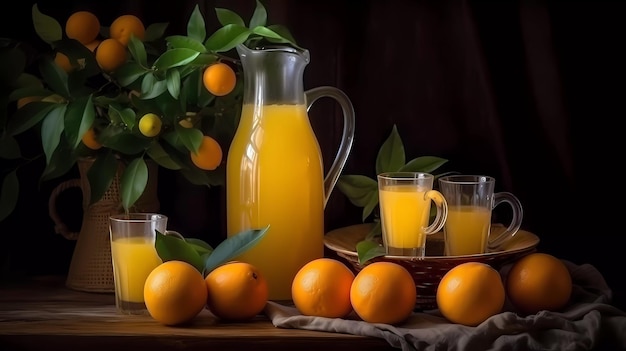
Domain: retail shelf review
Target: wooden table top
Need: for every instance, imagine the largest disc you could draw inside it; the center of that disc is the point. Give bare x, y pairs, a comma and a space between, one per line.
42, 314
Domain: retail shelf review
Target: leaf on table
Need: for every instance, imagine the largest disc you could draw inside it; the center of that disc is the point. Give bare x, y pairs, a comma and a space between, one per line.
174, 248
232, 247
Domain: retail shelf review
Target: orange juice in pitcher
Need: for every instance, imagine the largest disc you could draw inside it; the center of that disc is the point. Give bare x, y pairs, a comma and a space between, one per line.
275, 173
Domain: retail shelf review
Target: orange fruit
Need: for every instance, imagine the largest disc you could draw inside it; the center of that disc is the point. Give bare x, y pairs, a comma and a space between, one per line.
150, 125
83, 26
383, 292
110, 55
63, 61
126, 25
209, 154
537, 282
322, 288
89, 139
219, 79
238, 291
470, 293
175, 292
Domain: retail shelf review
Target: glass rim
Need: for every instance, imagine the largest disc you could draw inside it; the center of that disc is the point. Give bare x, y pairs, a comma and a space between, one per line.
405, 175
137, 217
466, 179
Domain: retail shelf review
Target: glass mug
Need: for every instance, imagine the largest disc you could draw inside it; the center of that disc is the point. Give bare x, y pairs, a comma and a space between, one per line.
405, 200
134, 256
471, 199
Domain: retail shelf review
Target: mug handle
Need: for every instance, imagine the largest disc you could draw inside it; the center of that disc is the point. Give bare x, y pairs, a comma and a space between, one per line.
346, 138
516, 220
442, 211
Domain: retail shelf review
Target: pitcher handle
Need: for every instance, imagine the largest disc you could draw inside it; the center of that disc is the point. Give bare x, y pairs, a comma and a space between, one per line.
348, 132
59, 226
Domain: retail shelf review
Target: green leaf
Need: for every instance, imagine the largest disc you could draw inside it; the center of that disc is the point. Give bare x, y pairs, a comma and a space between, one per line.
46, 27
182, 42
366, 250
26, 79
266, 32
259, 17
232, 247
191, 87
190, 137
202, 247
8, 194
173, 82
129, 73
375, 231
362, 191
175, 57
227, 37
283, 32
29, 91
152, 87
203, 60
161, 157
101, 175
357, 188
51, 129
173, 248
196, 29
54, 76
61, 162
79, 118
9, 148
126, 115
138, 50
155, 31
391, 154
125, 143
28, 116
426, 164
133, 182
226, 17
81, 57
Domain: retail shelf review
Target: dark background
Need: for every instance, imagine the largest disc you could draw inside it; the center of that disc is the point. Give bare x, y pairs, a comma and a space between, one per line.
530, 92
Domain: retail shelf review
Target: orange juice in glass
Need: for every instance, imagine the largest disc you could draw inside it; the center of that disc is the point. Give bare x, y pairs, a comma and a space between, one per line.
471, 200
277, 180
467, 229
405, 199
134, 256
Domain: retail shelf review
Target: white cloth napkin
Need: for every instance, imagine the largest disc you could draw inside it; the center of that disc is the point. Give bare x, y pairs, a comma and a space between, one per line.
590, 322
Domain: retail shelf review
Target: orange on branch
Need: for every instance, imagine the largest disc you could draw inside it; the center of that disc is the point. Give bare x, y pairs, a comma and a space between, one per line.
126, 25
83, 26
110, 55
219, 79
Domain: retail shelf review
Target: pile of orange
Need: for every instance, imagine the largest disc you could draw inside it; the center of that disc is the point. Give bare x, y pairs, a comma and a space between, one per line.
382, 292
110, 53
472, 292
175, 292
468, 294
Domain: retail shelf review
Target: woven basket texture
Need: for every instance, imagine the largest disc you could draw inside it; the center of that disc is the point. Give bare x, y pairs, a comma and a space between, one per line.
91, 267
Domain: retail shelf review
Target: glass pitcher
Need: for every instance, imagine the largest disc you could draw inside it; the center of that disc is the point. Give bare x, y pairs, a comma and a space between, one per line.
275, 174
